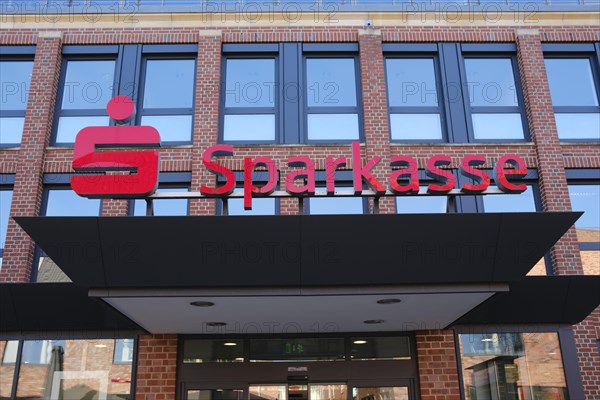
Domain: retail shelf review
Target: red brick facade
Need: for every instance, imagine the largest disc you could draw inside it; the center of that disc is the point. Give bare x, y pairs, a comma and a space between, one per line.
438, 370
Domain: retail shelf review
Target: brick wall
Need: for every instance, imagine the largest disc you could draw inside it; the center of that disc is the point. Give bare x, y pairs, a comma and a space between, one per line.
438, 368
157, 367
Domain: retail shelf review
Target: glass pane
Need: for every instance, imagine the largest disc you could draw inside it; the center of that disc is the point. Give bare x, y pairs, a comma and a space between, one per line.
521, 202
15, 77
328, 392
335, 205
88, 84
267, 392
216, 394
416, 126
123, 351
11, 129
259, 206
297, 349
250, 83
8, 352
5, 201
591, 262
333, 127
491, 82
169, 84
172, 128
586, 198
249, 127
72, 369
380, 393
498, 126
411, 82
507, 365
69, 127
331, 82
380, 348
163, 207
571, 82
421, 204
65, 202
198, 351
578, 126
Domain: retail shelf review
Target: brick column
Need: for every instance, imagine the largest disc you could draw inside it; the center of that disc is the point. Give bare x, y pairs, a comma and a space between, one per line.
438, 369
114, 207
540, 114
27, 192
156, 367
374, 95
206, 114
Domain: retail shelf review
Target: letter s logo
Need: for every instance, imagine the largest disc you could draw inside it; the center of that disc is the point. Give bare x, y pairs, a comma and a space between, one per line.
142, 165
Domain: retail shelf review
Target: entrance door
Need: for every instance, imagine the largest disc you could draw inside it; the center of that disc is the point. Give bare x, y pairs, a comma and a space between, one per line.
303, 391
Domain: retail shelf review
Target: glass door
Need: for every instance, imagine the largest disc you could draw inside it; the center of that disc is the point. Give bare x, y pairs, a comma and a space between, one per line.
298, 391
381, 393
215, 394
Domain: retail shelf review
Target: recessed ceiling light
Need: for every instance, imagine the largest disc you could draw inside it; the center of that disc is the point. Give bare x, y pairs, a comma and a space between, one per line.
230, 344
374, 321
202, 303
360, 342
100, 346
216, 323
388, 301
487, 340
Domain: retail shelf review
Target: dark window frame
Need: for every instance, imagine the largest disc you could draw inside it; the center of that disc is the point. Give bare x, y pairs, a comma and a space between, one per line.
84, 53
491, 51
343, 179
22, 54
257, 176
159, 52
566, 341
7, 182
290, 68
589, 51
417, 51
174, 180
251, 53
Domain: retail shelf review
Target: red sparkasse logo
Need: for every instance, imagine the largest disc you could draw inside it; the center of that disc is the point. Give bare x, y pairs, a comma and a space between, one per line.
144, 166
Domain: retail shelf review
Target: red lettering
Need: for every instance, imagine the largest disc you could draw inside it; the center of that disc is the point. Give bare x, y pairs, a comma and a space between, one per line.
364, 172
331, 164
249, 188
501, 173
444, 176
217, 169
308, 174
467, 168
408, 168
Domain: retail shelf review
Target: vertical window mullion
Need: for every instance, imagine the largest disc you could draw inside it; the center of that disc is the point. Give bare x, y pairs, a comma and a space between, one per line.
456, 105
292, 111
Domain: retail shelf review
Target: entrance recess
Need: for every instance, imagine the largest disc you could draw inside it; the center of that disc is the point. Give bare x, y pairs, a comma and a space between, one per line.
332, 367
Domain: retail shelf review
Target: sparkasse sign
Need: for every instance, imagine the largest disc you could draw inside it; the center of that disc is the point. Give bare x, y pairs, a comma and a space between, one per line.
144, 166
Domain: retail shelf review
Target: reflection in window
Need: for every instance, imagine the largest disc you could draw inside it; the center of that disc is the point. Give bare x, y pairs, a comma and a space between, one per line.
380, 393
72, 369
15, 77
493, 99
421, 204
332, 112
586, 198
380, 348
86, 89
413, 99
512, 366
250, 99
8, 352
5, 202
297, 349
168, 96
216, 394
574, 97
266, 206
123, 351
163, 207
336, 205
196, 351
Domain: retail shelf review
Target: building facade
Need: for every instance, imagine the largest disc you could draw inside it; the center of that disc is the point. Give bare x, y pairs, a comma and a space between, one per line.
283, 80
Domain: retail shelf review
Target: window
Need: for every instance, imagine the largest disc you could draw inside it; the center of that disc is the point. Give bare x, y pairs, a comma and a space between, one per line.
60, 201
454, 92
572, 72
15, 78
58, 368
585, 196
421, 204
290, 93
168, 98
260, 206
506, 365
5, 202
123, 351
168, 182
164, 95
413, 98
